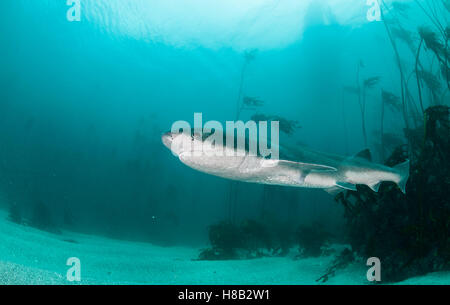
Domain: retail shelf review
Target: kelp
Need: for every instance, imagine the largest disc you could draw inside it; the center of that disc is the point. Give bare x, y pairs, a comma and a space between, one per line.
401, 7
368, 83
345, 258
409, 233
447, 5
225, 239
360, 92
250, 239
249, 56
405, 36
252, 101
437, 40
439, 47
391, 100
432, 82
432, 41
384, 9
255, 238
287, 126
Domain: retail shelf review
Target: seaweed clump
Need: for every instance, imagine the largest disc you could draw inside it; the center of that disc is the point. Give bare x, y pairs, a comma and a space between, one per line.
408, 233
253, 239
342, 260
247, 240
287, 126
225, 240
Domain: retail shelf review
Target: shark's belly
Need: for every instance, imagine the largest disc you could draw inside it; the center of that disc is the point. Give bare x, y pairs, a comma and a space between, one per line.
273, 175
241, 168
256, 170
319, 180
280, 175
222, 166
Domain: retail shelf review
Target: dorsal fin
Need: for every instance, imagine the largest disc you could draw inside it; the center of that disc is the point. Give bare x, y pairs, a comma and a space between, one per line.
364, 154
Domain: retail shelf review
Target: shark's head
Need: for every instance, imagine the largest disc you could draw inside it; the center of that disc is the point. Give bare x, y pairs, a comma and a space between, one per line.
180, 142
195, 150
167, 139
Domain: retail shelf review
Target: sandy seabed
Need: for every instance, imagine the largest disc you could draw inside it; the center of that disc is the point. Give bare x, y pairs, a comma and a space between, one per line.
30, 256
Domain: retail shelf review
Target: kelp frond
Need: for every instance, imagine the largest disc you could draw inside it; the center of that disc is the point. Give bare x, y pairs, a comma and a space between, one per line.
252, 101
447, 4
371, 82
391, 100
432, 41
287, 126
430, 80
400, 7
405, 36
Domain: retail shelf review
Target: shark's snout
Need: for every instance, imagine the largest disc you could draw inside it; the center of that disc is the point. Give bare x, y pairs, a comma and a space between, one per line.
167, 139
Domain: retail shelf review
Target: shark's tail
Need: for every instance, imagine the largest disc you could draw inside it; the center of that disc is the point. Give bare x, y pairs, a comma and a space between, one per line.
402, 170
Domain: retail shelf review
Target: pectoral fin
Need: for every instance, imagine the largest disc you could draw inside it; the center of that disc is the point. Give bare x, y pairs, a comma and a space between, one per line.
375, 187
334, 190
306, 168
346, 185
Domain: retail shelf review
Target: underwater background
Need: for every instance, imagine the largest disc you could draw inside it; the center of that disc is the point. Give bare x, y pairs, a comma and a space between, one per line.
83, 105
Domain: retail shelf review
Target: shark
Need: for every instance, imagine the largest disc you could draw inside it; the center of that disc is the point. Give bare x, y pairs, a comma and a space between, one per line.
296, 166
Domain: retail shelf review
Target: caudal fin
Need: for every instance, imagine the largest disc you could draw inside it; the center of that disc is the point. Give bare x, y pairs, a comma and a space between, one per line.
403, 170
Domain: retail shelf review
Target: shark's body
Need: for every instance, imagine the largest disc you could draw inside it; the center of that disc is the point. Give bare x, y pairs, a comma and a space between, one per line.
296, 167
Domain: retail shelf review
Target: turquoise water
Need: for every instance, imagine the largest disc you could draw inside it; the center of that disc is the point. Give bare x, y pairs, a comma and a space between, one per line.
83, 105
